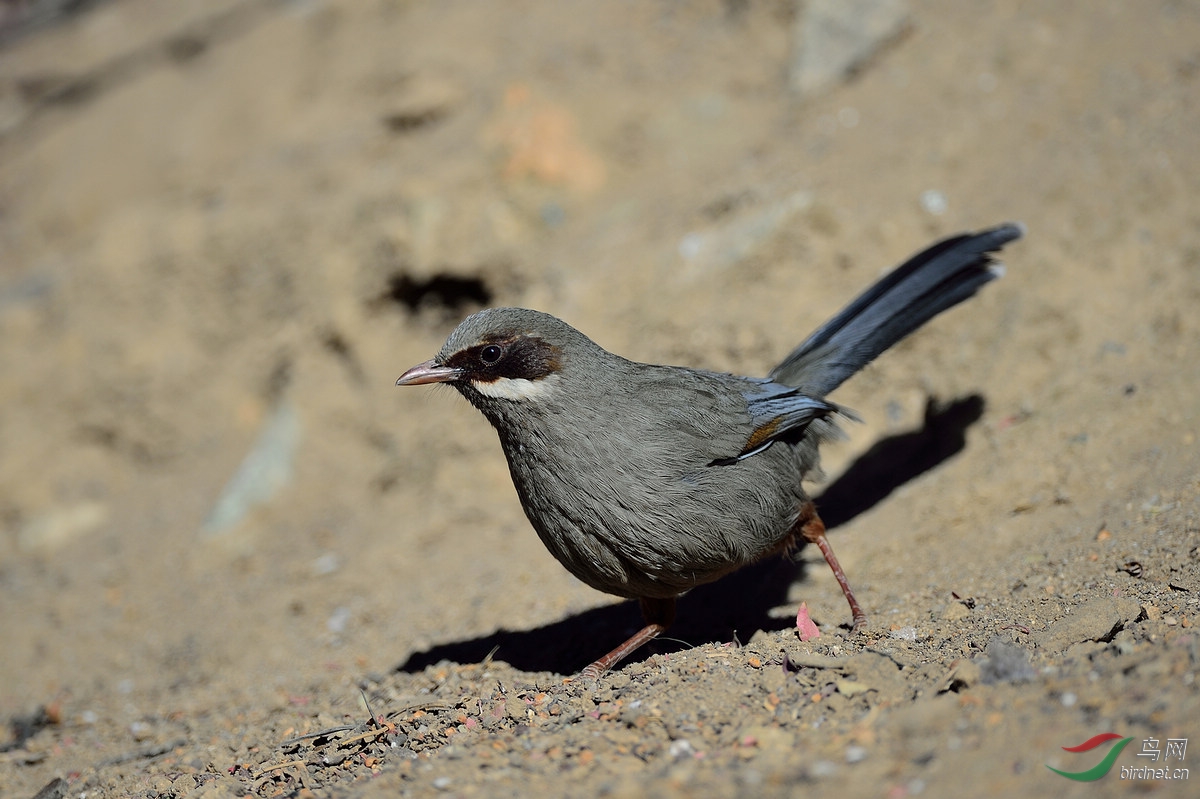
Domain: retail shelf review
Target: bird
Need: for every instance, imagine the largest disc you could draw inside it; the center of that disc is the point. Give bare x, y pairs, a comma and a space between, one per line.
647, 480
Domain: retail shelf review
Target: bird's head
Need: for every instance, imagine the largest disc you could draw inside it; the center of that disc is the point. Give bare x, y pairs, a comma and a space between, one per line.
506, 355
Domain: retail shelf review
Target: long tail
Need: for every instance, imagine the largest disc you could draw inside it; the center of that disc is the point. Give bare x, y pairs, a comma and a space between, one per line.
913, 293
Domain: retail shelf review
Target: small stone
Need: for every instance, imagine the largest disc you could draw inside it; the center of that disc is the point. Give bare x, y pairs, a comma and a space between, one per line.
934, 202
852, 687
338, 620
326, 564
60, 526
1095, 620
835, 37
681, 748
1005, 663
265, 470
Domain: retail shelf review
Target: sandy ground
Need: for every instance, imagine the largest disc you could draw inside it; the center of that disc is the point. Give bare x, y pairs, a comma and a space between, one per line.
226, 228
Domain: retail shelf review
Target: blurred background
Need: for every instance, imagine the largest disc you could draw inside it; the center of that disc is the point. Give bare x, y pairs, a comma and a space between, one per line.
226, 227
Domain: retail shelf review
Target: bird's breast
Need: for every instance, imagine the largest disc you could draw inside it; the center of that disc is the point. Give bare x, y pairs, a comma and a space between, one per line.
637, 517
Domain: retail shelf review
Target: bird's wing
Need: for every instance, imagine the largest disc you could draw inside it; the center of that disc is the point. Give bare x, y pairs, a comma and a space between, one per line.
777, 412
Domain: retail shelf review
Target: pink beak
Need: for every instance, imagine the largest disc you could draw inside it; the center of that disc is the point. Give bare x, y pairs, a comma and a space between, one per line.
429, 372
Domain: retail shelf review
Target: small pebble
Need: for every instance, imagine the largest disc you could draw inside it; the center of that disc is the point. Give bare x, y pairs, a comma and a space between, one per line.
691, 245
338, 620
326, 564
681, 748
934, 202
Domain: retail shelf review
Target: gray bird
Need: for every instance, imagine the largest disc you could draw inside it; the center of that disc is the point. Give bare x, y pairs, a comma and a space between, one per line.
646, 481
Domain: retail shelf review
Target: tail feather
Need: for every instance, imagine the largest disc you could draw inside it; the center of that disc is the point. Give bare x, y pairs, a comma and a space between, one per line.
930, 282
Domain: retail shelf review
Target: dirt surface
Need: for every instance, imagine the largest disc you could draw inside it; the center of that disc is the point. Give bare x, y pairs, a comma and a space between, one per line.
226, 228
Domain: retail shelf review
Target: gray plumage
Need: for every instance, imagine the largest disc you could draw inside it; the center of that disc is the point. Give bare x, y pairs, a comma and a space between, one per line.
635, 509
645, 481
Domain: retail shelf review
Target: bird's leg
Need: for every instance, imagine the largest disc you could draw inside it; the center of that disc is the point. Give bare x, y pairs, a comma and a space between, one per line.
813, 529
658, 614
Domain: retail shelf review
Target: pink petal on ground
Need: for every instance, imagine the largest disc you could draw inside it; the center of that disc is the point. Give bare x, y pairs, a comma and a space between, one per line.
804, 625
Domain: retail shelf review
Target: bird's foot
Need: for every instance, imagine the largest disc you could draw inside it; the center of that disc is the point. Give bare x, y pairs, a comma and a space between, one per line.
813, 529
658, 613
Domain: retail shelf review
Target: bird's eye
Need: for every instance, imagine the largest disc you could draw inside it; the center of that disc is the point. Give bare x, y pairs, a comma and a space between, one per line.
490, 354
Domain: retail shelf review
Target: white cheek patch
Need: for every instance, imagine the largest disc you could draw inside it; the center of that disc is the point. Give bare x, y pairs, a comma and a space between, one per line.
517, 389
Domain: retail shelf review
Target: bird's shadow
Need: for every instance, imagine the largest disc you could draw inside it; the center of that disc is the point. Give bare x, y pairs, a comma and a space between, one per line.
737, 605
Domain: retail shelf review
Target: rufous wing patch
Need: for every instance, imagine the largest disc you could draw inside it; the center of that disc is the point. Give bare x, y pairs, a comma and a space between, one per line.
763, 434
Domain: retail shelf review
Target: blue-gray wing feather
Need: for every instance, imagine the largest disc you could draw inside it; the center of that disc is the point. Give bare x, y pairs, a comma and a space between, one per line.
776, 412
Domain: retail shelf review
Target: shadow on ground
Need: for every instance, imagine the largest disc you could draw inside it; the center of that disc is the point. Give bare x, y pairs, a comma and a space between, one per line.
737, 606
